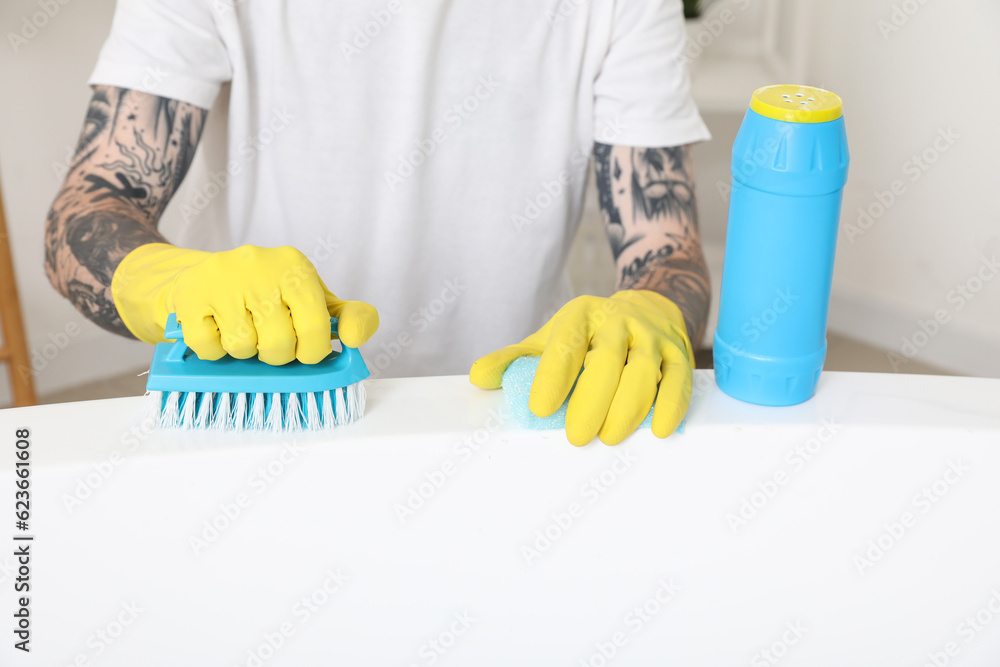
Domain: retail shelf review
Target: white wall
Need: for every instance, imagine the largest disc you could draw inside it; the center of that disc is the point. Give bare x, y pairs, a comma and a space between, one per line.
901, 91
939, 70
43, 85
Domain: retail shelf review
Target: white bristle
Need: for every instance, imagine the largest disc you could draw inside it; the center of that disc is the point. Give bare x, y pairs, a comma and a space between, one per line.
362, 399
154, 407
204, 418
313, 422
293, 413
329, 416
171, 410
349, 404
239, 411
340, 406
256, 422
223, 413
188, 409
273, 422
355, 401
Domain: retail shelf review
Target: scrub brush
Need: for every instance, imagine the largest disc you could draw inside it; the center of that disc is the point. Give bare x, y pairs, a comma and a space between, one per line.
246, 394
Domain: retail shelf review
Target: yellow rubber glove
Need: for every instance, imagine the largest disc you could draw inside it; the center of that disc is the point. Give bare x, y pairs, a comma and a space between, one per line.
627, 344
268, 302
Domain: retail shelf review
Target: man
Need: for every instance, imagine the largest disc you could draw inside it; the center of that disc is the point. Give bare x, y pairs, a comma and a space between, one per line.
443, 145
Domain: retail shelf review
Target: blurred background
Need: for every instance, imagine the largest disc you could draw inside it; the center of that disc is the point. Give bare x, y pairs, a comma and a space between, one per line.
915, 288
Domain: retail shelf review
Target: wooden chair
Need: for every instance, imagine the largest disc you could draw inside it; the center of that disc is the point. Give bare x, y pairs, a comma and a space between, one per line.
14, 351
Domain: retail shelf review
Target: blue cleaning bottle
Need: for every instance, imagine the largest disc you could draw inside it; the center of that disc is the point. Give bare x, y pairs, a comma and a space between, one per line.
789, 168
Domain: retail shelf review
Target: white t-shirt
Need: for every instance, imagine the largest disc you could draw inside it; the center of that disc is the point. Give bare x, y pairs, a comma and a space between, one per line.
429, 157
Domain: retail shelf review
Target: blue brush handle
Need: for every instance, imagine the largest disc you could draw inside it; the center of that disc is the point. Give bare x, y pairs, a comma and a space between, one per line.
173, 332
174, 370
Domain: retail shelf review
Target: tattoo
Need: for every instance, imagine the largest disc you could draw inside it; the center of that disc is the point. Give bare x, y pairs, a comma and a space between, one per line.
126, 193
101, 239
608, 173
144, 171
133, 153
661, 185
605, 178
654, 184
633, 269
119, 101
683, 281
167, 110
97, 306
651, 215
95, 123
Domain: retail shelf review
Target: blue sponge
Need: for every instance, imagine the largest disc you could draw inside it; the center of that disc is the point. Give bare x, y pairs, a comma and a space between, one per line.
516, 385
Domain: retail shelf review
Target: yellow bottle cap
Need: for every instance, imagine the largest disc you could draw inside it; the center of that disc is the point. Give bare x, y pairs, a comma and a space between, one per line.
797, 104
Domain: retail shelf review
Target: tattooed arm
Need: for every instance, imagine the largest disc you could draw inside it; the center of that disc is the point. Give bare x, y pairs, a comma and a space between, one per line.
651, 215
132, 156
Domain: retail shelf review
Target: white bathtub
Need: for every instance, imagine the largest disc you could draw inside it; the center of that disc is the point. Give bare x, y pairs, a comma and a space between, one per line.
860, 528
